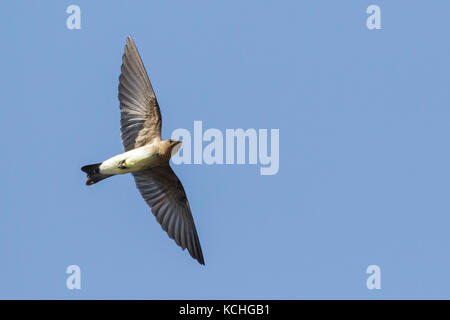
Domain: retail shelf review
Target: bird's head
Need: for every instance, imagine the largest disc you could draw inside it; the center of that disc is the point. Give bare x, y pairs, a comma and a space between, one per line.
174, 146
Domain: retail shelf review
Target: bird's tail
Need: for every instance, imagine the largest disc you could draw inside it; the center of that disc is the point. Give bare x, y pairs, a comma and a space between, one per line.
93, 173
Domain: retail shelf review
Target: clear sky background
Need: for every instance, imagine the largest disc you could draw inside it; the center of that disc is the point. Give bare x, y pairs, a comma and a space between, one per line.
364, 125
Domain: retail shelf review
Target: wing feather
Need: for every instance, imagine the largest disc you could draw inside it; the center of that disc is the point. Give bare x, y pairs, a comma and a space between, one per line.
140, 116
164, 193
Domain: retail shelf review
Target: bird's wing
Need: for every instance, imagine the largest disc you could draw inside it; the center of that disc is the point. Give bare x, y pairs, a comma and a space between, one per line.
140, 117
164, 193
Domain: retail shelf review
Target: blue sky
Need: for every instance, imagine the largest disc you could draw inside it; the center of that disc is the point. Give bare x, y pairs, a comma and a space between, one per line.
364, 159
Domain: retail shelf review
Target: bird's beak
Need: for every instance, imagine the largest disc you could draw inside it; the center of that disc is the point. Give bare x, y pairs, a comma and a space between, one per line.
176, 147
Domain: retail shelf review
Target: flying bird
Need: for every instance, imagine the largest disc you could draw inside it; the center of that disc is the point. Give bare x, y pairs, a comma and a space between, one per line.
147, 156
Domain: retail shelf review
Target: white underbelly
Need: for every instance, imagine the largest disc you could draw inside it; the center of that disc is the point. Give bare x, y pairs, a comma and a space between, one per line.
133, 160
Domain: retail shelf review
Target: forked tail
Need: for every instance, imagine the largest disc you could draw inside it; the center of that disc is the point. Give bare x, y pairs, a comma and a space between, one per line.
93, 173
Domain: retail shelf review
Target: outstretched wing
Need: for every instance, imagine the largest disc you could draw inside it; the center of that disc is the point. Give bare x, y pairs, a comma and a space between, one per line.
164, 193
140, 117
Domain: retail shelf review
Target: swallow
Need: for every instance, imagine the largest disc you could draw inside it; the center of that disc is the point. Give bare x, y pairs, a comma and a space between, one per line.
147, 156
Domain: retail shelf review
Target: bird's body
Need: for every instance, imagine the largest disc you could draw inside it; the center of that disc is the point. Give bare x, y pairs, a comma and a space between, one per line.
147, 156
